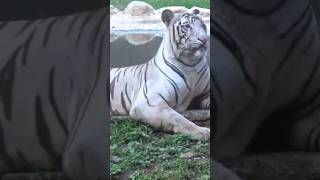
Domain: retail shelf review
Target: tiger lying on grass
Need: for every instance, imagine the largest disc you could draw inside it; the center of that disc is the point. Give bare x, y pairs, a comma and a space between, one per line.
157, 90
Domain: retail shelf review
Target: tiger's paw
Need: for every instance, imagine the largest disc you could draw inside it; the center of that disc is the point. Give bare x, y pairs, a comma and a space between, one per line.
201, 133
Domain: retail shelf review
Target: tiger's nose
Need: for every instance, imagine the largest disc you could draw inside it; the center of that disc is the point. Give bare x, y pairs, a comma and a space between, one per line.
203, 39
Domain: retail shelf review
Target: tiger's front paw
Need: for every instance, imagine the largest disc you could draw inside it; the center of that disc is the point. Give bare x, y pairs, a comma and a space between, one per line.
201, 133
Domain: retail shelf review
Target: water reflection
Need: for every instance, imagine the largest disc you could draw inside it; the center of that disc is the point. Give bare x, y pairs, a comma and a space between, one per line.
132, 49
139, 39
113, 37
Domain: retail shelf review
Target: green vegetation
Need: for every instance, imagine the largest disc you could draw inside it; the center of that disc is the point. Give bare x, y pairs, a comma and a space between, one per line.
121, 4
138, 153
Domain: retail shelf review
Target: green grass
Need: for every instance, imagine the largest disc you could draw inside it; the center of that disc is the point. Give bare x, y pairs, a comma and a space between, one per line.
121, 4
141, 154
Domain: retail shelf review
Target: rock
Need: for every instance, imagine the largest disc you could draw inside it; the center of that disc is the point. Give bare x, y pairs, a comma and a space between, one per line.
139, 8
113, 10
203, 11
187, 155
115, 159
139, 39
174, 9
197, 115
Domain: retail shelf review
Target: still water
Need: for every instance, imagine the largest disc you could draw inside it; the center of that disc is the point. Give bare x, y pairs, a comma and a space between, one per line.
132, 49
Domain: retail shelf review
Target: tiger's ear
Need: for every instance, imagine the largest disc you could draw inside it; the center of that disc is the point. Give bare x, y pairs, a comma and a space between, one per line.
196, 11
166, 16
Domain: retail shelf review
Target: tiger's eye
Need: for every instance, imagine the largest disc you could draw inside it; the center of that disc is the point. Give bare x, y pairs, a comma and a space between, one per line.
187, 26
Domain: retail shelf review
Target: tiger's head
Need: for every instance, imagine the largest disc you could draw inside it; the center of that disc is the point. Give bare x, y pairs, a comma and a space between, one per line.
186, 34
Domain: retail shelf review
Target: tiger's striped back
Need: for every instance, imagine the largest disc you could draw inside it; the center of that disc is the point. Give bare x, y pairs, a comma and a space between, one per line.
134, 75
50, 72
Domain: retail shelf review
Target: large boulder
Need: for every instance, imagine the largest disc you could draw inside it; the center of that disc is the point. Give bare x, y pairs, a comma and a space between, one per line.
175, 9
139, 8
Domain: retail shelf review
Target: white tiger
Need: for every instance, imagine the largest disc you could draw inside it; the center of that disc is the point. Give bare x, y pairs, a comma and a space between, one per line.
154, 92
